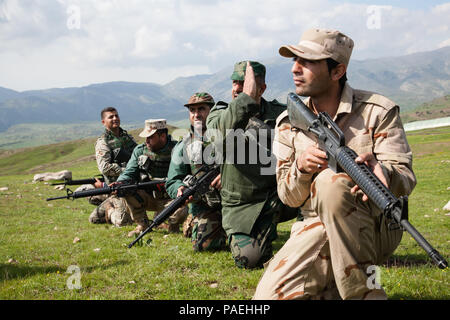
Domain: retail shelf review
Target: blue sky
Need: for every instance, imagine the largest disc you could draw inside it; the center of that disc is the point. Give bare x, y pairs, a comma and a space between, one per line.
63, 43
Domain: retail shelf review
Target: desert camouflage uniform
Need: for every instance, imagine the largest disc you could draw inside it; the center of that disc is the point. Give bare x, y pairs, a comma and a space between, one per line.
111, 209
204, 224
328, 254
147, 165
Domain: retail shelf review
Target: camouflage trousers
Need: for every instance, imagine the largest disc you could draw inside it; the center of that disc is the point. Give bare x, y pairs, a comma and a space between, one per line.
328, 255
254, 249
142, 201
94, 200
112, 210
205, 231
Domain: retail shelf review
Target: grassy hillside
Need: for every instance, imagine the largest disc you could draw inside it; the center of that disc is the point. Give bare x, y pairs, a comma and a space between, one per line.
41, 134
37, 248
437, 108
56, 157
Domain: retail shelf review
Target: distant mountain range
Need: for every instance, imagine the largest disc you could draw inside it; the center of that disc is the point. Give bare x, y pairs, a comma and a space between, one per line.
409, 80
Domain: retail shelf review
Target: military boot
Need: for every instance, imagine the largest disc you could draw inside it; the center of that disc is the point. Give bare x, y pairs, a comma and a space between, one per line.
188, 225
97, 216
141, 226
174, 228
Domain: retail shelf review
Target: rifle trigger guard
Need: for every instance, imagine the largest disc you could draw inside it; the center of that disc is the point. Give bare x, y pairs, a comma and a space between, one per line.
69, 194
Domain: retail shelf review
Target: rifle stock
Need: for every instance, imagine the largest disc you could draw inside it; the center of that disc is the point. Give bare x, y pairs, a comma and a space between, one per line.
342, 158
121, 189
70, 182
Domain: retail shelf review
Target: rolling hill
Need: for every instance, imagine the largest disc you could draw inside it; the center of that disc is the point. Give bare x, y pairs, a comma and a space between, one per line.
408, 80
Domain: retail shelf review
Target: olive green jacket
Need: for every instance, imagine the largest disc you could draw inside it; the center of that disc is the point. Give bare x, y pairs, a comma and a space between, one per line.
244, 189
159, 166
180, 167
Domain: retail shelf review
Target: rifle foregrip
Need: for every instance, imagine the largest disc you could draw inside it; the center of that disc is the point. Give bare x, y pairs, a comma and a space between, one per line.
364, 178
383, 198
91, 192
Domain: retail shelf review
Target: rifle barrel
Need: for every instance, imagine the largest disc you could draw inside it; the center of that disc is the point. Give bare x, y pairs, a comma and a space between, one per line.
57, 198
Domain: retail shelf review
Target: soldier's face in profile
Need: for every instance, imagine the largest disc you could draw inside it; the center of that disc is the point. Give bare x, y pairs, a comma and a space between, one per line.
236, 88
199, 112
111, 120
311, 77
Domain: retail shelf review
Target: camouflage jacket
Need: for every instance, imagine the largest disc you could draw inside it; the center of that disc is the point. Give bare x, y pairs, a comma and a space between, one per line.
184, 164
148, 165
370, 123
246, 185
112, 153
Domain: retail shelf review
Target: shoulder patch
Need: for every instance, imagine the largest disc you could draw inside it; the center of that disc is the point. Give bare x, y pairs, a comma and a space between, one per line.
284, 115
374, 98
221, 105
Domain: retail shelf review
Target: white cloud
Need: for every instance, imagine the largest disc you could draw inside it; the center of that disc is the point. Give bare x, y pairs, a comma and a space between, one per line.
170, 38
444, 43
150, 44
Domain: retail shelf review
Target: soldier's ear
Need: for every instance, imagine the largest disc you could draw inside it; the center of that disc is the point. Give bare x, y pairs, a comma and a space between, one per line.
262, 88
338, 71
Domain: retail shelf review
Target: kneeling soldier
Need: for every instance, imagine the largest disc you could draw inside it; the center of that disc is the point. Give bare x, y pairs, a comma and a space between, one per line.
150, 161
112, 151
204, 224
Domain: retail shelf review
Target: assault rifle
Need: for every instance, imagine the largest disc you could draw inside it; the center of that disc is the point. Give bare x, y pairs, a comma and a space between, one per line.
70, 182
122, 189
197, 183
342, 158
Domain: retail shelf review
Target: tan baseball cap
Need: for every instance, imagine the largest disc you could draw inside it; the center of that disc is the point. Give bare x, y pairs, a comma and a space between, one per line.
318, 44
151, 125
199, 98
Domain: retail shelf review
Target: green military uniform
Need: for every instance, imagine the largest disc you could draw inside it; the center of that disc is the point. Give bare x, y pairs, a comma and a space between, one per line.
150, 165
112, 154
145, 164
207, 232
204, 224
250, 205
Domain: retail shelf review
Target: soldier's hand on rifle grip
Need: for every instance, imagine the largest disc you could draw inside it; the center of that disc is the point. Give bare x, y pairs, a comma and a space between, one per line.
180, 192
216, 183
370, 160
312, 160
114, 184
98, 183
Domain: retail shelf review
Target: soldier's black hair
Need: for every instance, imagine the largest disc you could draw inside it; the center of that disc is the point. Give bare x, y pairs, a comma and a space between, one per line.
107, 109
161, 131
331, 63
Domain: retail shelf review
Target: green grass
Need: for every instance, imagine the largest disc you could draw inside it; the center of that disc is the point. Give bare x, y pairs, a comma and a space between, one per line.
36, 238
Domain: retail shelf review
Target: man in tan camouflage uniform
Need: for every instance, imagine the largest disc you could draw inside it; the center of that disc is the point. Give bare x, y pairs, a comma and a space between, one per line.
204, 224
329, 253
150, 161
112, 152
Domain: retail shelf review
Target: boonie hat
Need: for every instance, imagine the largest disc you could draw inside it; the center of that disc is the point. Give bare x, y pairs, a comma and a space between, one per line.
151, 125
200, 98
318, 44
240, 67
